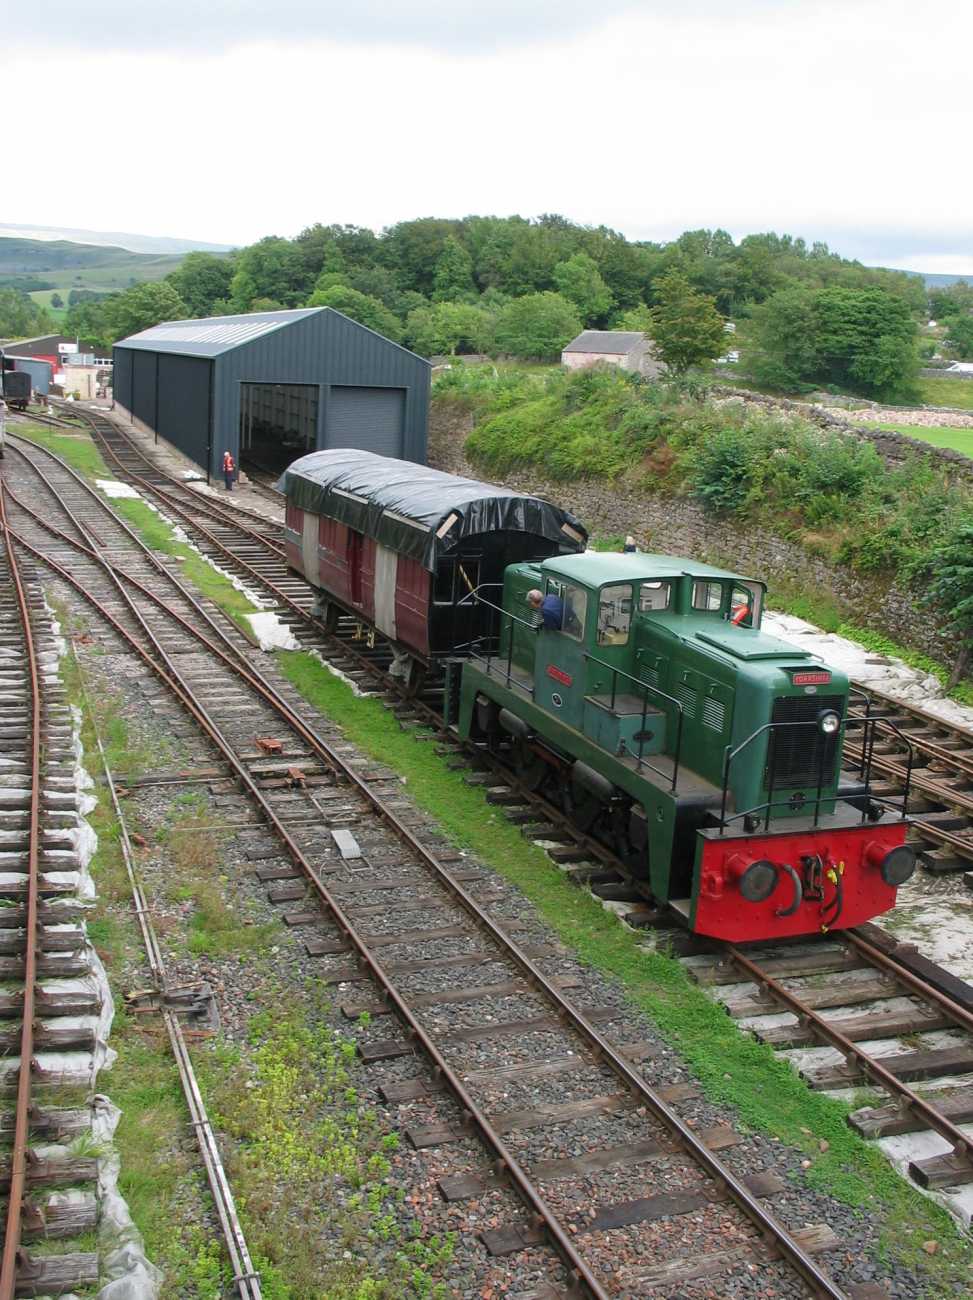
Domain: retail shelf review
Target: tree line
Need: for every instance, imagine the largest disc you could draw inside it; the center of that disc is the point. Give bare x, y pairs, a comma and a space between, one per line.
524, 287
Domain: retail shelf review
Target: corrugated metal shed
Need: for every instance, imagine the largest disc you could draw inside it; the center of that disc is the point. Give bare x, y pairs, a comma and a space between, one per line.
199, 383
215, 335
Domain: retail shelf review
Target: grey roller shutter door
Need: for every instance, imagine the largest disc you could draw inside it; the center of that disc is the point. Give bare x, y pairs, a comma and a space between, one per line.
371, 419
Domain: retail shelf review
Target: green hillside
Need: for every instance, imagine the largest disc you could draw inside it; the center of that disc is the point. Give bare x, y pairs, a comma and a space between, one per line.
43, 267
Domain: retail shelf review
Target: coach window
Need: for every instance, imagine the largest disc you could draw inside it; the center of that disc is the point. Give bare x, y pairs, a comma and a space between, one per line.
708, 597
614, 614
575, 610
654, 596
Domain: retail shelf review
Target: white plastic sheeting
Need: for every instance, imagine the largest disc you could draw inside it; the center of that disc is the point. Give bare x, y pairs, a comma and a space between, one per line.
112, 488
129, 1274
271, 632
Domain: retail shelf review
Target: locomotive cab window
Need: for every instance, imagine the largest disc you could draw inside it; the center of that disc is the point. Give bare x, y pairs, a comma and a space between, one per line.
654, 596
742, 606
708, 597
614, 614
575, 609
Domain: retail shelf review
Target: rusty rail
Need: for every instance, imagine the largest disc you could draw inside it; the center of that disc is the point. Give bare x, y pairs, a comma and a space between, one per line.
18, 1169
871, 1066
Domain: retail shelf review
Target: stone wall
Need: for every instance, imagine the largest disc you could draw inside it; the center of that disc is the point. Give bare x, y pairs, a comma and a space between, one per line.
894, 448
679, 525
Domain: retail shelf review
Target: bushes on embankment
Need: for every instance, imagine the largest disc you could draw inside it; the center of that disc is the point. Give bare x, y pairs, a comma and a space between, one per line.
826, 489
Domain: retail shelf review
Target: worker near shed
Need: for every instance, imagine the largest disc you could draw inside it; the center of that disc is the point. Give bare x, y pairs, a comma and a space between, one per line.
550, 608
228, 470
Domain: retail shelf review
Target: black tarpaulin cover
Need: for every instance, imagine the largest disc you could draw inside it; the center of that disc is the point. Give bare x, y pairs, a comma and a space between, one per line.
406, 506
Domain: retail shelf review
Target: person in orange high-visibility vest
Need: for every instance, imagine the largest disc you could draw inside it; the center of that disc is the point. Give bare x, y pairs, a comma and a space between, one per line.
228, 470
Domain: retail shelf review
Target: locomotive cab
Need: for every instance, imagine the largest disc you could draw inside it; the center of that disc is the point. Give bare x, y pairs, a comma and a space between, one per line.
645, 696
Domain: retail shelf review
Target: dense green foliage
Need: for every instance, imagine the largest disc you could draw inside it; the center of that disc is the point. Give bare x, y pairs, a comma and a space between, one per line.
858, 340
537, 326
956, 300
579, 280
686, 327
950, 574
203, 283
360, 307
959, 337
828, 490
450, 327
20, 316
523, 287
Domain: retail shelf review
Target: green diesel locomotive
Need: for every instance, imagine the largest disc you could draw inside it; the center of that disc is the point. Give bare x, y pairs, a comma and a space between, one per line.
721, 763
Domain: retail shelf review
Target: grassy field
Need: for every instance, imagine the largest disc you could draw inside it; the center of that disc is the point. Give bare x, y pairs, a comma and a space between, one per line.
956, 439
947, 392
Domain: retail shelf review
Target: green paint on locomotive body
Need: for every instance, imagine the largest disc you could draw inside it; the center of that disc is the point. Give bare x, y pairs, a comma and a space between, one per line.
634, 633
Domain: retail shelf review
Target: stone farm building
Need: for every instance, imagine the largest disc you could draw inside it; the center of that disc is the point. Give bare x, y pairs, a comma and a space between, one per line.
628, 349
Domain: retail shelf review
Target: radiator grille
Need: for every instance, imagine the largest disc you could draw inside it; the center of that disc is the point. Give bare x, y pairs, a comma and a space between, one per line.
650, 676
801, 753
714, 713
687, 696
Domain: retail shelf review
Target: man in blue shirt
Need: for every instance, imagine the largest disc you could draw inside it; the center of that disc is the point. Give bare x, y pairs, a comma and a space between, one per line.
550, 608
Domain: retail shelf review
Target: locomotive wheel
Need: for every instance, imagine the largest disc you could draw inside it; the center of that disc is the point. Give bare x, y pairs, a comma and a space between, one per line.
586, 811
530, 769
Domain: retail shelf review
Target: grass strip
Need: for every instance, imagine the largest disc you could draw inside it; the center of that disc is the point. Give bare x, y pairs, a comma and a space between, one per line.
81, 453
733, 1067
938, 435
947, 392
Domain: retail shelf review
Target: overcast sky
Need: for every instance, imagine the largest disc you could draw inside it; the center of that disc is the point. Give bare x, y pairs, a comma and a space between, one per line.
226, 120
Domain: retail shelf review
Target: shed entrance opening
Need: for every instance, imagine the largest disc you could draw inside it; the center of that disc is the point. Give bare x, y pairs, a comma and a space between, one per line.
278, 423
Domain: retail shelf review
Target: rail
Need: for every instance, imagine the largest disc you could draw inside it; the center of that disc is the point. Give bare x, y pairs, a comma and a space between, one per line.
826, 787
670, 699
19, 1153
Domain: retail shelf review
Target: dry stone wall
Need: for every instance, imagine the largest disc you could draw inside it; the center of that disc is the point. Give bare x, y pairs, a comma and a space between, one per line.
894, 448
679, 525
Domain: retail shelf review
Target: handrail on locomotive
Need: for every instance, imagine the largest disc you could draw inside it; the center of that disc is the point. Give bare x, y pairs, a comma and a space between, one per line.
869, 725
646, 686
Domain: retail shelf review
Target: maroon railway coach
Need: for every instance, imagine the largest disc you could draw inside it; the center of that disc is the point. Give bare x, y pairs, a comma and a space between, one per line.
399, 545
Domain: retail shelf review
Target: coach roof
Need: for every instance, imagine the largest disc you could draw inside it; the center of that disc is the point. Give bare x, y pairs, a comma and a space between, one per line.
415, 510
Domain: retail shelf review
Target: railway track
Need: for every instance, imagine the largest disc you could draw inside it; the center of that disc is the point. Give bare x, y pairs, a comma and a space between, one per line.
856, 1012
42, 941
428, 954
900, 1001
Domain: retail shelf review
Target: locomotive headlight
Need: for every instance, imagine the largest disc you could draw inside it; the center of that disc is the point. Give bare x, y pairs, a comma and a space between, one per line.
755, 880
896, 865
829, 722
